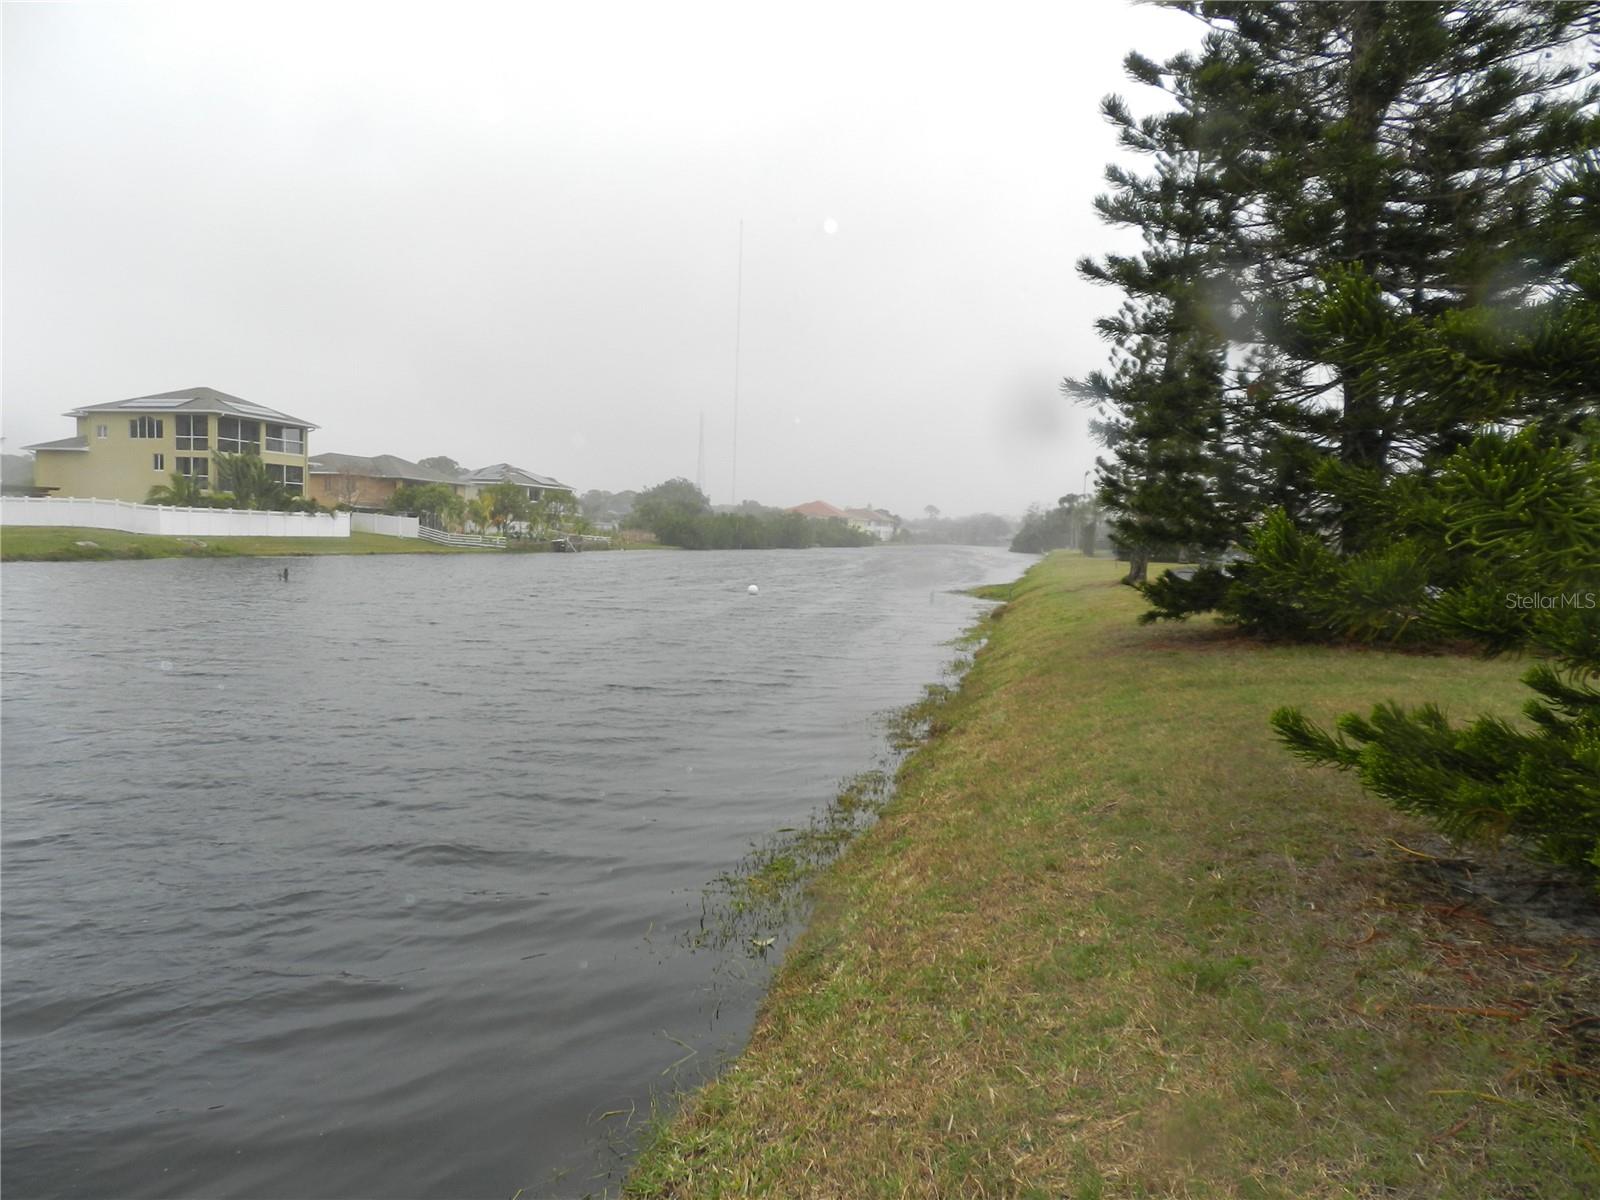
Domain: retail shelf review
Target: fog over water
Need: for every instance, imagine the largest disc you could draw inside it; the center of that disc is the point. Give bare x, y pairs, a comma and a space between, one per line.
505, 233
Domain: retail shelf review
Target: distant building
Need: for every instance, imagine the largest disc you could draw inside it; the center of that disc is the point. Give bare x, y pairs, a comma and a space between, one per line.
124, 448
359, 481
362, 482
870, 520
819, 510
537, 487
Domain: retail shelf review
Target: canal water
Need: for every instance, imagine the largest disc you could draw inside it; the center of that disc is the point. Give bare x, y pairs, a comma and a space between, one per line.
381, 880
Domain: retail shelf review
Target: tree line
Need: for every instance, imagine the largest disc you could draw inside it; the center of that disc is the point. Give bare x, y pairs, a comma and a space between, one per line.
499, 507
1073, 524
1359, 352
679, 514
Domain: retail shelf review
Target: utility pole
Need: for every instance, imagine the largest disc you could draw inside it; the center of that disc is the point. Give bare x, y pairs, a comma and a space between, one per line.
700, 463
738, 340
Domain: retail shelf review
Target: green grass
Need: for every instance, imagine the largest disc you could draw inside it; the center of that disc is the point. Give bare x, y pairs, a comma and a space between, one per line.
35, 543
1110, 939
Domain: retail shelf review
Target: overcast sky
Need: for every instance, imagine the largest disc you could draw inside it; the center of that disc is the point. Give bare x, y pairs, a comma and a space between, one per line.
513, 234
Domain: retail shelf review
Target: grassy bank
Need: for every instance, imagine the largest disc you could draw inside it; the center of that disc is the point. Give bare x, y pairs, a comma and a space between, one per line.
36, 543
1110, 940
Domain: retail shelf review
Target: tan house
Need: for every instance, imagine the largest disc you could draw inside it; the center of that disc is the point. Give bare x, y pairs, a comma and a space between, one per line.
363, 482
125, 448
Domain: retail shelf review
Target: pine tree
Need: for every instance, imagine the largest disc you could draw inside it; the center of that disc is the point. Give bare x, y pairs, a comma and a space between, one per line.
1399, 242
1441, 154
1176, 465
1527, 516
1427, 162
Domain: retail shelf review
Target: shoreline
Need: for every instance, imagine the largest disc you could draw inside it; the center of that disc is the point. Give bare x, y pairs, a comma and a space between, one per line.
1109, 938
59, 543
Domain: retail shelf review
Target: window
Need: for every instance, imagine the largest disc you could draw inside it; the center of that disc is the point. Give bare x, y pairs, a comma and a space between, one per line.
293, 478
158, 462
286, 439
238, 437
145, 427
193, 432
195, 468
102, 431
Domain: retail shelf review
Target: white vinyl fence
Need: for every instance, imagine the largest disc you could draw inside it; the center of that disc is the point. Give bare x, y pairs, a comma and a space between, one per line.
172, 521
394, 526
460, 539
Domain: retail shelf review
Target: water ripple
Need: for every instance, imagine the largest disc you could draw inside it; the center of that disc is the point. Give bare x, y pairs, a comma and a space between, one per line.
368, 883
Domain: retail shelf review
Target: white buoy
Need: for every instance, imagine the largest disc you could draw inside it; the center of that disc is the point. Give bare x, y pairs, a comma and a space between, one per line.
753, 590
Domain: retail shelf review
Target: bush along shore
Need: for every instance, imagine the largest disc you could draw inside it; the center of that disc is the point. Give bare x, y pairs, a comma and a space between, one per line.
1109, 939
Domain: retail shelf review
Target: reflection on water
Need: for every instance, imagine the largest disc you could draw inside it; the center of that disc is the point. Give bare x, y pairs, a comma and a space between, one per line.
374, 882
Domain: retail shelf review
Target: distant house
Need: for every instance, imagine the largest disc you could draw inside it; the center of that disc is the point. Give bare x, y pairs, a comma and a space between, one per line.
125, 447
537, 487
819, 510
362, 482
870, 520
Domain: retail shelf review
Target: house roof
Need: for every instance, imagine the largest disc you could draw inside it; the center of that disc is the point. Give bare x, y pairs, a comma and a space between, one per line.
817, 508
381, 466
71, 443
869, 514
194, 400
506, 473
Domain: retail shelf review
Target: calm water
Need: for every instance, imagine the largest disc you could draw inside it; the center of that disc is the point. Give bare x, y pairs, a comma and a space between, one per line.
375, 882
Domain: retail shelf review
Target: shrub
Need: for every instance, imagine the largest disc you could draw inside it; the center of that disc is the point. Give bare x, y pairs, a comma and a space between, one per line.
1487, 779
1512, 529
1503, 516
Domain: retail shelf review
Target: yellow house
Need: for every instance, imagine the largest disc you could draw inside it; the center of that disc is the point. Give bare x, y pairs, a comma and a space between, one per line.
125, 448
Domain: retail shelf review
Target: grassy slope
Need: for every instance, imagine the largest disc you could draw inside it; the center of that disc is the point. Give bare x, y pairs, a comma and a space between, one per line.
20, 543
1110, 940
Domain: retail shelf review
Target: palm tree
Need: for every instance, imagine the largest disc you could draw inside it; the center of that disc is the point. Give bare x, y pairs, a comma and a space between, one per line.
245, 475
183, 492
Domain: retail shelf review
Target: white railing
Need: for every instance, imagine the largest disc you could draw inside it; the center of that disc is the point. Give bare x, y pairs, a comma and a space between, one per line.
169, 520
459, 539
394, 526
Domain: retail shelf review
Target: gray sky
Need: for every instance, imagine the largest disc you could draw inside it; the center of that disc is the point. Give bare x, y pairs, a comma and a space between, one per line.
513, 233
